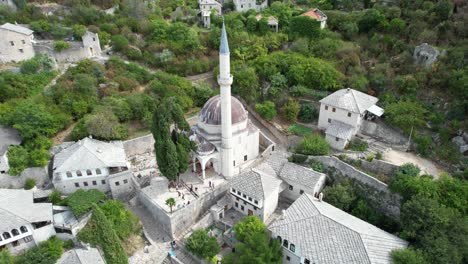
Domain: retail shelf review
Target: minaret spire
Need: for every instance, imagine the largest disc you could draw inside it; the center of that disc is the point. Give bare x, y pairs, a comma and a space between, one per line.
225, 80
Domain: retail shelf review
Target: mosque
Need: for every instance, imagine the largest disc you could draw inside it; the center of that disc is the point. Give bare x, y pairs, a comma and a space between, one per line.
226, 139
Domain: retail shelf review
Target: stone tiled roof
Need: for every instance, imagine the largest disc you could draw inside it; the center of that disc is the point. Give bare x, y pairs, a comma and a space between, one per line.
8, 137
325, 234
277, 160
300, 174
255, 184
209, 2
17, 29
90, 153
81, 256
18, 208
350, 100
340, 130
211, 111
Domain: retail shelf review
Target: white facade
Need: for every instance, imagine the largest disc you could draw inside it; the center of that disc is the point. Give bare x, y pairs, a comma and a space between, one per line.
91, 43
329, 113
245, 5
206, 7
8, 3
15, 43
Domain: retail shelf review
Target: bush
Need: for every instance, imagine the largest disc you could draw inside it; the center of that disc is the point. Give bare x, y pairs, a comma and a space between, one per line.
297, 158
61, 45
314, 145
408, 256
408, 169
47, 252
379, 155
203, 92
316, 165
81, 201
307, 113
124, 222
357, 144
290, 110
267, 110
299, 130
29, 184
202, 245
119, 42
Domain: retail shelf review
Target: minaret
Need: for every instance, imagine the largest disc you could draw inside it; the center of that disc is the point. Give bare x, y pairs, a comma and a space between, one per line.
225, 81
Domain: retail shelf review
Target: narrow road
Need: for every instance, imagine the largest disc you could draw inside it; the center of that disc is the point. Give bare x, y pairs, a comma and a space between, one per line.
198, 77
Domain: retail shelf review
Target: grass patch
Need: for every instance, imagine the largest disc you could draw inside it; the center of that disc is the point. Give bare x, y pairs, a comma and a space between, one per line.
299, 130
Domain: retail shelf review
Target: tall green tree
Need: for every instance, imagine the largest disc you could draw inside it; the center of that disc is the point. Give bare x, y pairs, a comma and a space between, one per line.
202, 245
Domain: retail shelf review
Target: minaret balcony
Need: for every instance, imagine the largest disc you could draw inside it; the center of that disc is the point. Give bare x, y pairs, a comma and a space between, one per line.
225, 81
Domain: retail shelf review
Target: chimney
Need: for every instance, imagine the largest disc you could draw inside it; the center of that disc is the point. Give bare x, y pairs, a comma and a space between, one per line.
320, 196
283, 214
348, 89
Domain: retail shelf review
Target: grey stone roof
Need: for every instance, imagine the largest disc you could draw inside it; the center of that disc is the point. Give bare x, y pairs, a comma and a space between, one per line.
17, 29
209, 2
325, 234
255, 184
350, 100
89, 153
8, 137
81, 256
224, 46
17, 208
277, 160
340, 130
300, 174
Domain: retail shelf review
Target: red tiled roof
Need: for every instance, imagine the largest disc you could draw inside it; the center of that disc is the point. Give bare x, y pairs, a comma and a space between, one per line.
314, 14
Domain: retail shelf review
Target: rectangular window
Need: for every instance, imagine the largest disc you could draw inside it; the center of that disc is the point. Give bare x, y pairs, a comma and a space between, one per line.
349, 114
117, 183
77, 184
250, 199
21, 50
326, 107
238, 193
233, 190
103, 181
333, 109
125, 181
245, 203
28, 239
288, 258
245, 158
301, 191
12, 43
242, 207
234, 163
236, 205
85, 183
273, 148
23, 41
94, 183
329, 120
337, 139
291, 187
256, 202
237, 198
245, 196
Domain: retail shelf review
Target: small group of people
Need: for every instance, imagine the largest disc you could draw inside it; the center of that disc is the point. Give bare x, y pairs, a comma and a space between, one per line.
211, 184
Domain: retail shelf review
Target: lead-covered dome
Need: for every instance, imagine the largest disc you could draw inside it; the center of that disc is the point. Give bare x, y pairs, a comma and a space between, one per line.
211, 112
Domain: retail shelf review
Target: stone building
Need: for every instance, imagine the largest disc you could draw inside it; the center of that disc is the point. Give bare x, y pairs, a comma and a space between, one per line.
206, 7
92, 164
313, 231
255, 193
318, 15
272, 22
86, 255
342, 113
10, 3
425, 54
8, 137
245, 5
24, 224
16, 43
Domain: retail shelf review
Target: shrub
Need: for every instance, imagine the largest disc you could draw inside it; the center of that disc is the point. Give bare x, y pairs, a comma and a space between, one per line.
379, 155
47, 252
408, 169
124, 222
341, 195
313, 145
370, 157
55, 198
29, 184
81, 201
307, 113
60, 45
316, 165
119, 42
290, 110
202, 245
357, 144
299, 130
267, 110
203, 92
297, 158
408, 256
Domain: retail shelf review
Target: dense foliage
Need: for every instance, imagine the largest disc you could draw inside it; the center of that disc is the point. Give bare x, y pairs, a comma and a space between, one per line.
314, 145
82, 201
47, 252
202, 245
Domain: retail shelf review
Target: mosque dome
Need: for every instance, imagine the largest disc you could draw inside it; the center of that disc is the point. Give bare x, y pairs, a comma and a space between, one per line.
211, 112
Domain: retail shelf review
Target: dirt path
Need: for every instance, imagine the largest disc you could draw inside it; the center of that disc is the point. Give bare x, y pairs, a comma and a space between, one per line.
400, 157
63, 135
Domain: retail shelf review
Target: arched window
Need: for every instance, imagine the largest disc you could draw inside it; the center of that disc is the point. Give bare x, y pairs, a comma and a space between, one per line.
88, 172
98, 171
285, 243
15, 232
279, 239
23, 229
79, 173
6, 235
292, 247
69, 175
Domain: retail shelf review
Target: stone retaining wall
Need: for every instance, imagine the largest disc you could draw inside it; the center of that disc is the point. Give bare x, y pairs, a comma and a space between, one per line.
377, 192
383, 132
138, 146
39, 174
379, 167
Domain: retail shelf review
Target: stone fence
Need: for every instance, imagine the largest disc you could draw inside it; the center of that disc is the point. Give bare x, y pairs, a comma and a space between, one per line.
379, 167
377, 192
39, 174
138, 146
384, 133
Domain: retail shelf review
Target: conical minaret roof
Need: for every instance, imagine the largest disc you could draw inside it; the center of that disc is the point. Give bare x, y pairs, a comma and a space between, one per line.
224, 47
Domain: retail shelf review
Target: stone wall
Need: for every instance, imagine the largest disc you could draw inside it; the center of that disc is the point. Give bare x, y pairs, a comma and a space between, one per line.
379, 167
206, 221
138, 146
377, 192
177, 222
39, 174
383, 132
